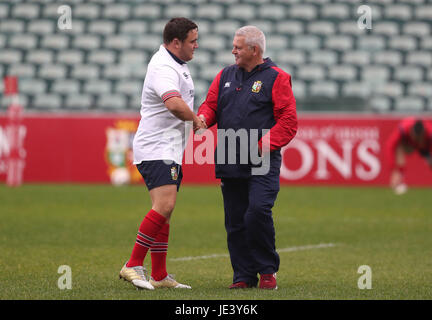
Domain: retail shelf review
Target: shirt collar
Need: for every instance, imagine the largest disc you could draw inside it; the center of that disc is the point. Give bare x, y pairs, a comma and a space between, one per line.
178, 60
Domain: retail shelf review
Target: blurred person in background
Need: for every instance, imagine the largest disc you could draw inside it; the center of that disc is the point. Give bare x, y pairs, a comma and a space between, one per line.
412, 134
166, 108
252, 94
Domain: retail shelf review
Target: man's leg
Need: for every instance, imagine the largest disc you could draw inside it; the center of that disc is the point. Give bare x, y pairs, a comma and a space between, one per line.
163, 199
159, 251
163, 202
235, 196
133, 271
163, 180
260, 231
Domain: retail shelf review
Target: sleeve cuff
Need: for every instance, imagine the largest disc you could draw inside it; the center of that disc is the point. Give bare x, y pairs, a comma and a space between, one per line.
170, 94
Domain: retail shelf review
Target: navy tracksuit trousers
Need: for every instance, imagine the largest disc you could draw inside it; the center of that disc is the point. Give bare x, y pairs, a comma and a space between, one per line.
248, 204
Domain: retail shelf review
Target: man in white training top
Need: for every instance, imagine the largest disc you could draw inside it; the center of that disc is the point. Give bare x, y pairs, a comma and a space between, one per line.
166, 113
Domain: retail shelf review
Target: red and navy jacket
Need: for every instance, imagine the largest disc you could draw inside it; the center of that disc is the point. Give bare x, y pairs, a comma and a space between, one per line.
260, 99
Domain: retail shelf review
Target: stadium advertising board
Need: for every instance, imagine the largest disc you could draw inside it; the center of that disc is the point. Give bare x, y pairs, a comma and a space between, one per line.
86, 148
337, 151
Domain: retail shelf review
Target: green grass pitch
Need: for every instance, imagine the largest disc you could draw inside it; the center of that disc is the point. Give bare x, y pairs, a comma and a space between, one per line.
92, 229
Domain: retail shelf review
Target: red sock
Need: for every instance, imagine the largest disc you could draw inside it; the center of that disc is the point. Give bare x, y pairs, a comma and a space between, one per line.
147, 233
159, 250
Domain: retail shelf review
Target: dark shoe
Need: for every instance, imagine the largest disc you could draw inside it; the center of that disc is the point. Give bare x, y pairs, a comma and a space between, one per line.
240, 285
268, 281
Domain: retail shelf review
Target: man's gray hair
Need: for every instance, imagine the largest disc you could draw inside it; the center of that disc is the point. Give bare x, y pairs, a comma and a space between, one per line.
253, 37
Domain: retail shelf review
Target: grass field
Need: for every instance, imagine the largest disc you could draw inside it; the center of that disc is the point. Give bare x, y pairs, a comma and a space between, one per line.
92, 230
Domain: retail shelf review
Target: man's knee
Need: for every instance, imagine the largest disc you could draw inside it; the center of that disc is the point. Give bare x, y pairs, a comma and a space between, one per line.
260, 206
164, 208
164, 199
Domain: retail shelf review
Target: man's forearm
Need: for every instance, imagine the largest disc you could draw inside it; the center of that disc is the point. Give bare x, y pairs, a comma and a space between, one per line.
180, 109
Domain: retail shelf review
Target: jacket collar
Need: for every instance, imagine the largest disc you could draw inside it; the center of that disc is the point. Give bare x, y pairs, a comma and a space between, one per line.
265, 65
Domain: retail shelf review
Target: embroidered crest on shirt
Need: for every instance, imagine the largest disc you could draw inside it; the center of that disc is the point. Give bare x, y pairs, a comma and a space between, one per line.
174, 174
256, 86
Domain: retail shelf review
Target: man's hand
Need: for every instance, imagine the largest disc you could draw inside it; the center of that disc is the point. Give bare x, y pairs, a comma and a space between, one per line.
199, 123
396, 178
203, 119
397, 183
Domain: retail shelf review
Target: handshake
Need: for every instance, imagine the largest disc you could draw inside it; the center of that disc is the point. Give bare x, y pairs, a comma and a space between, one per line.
199, 123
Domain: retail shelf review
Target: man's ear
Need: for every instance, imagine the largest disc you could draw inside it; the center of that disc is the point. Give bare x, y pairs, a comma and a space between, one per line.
177, 43
256, 50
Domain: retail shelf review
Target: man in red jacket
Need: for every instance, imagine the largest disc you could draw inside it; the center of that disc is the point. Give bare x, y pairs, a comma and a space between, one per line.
411, 135
254, 108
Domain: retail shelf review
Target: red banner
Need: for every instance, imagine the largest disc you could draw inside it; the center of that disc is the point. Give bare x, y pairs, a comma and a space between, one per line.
346, 150
86, 148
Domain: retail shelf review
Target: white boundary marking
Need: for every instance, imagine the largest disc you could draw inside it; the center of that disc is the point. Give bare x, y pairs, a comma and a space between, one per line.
290, 249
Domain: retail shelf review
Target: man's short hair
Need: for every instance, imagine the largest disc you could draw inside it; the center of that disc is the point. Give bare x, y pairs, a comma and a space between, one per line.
253, 37
178, 28
418, 127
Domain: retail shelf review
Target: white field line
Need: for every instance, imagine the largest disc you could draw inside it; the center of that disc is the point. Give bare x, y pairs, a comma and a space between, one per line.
289, 249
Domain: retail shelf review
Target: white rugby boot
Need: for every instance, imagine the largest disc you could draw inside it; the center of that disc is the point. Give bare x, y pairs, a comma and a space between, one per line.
168, 282
137, 276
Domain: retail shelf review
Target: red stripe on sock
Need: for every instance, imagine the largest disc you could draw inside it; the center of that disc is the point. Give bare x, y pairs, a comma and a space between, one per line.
158, 258
150, 227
